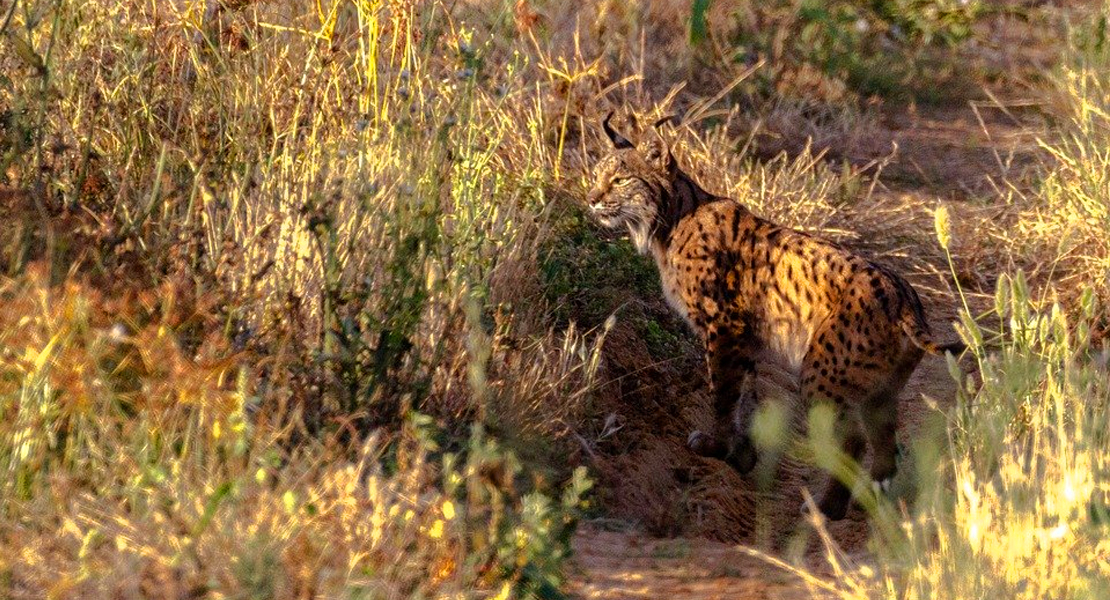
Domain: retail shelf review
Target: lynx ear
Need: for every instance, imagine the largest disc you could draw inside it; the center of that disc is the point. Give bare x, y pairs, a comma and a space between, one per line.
619, 141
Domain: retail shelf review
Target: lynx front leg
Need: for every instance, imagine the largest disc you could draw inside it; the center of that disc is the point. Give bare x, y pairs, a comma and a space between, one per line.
732, 380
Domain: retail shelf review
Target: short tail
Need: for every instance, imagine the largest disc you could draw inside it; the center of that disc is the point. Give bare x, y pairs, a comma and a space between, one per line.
919, 334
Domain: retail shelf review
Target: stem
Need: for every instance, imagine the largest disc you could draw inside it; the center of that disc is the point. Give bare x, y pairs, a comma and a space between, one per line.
8, 17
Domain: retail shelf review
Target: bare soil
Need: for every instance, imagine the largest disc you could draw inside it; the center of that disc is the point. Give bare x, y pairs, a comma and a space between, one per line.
627, 566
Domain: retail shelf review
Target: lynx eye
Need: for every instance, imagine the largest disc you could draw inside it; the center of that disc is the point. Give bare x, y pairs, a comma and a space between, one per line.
623, 180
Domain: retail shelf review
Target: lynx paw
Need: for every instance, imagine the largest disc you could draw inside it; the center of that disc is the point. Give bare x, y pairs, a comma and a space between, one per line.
706, 445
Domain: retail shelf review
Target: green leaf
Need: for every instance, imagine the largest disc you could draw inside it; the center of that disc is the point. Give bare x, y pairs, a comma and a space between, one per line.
699, 28
211, 506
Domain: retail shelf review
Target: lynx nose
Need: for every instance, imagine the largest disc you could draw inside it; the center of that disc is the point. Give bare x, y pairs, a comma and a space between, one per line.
593, 199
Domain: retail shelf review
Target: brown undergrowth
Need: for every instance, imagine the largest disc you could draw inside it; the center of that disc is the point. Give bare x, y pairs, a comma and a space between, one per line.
278, 274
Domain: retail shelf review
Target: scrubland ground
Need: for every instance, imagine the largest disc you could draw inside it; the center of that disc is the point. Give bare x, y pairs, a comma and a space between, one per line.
300, 299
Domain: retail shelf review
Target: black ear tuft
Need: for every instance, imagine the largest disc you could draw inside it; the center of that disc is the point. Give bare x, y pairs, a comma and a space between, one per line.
619, 141
672, 119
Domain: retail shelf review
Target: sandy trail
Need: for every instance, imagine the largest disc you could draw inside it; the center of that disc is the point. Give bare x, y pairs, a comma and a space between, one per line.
622, 566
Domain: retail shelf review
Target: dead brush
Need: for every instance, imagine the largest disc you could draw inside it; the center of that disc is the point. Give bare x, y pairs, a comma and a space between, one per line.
168, 485
315, 217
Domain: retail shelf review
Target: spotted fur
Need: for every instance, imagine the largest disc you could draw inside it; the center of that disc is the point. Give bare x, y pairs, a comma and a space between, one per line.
850, 330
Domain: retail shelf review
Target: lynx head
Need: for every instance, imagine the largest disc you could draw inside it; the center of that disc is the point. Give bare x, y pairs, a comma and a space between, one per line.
630, 183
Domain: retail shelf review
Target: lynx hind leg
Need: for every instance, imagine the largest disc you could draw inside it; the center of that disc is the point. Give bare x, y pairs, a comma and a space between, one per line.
732, 381
880, 421
879, 416
835, 500
848, 365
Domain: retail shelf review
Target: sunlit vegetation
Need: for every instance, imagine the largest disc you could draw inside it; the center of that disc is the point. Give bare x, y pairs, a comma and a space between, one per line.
298, 299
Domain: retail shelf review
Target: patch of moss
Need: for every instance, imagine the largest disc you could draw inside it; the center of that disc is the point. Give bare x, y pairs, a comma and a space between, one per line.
588, 276
661, 340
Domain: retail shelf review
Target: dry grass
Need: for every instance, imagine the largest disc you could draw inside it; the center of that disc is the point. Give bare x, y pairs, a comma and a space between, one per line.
1015, 506
1063, 230
136, 470
277, 274
254, 248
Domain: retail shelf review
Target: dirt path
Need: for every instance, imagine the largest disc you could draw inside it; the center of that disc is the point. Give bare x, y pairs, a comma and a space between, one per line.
622, 566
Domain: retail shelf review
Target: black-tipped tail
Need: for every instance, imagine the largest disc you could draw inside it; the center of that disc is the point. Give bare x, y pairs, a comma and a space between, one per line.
922, 338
